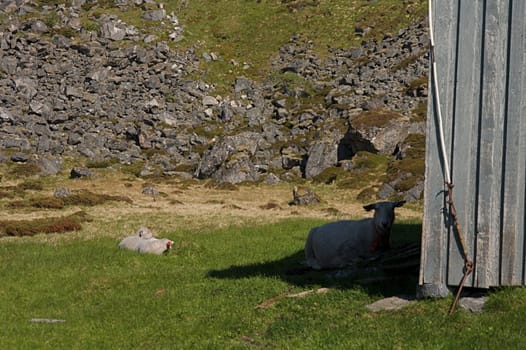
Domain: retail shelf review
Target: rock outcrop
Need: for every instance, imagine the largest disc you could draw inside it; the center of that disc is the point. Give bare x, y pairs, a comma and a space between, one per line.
84, 95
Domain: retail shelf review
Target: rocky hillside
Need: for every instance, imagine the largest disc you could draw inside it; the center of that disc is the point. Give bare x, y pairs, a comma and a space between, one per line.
113, 95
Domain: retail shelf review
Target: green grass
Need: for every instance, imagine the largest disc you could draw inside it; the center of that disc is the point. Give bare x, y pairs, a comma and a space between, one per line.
253, 31
204, 294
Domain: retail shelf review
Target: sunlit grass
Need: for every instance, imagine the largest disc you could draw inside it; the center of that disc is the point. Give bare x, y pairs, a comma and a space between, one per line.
204, 295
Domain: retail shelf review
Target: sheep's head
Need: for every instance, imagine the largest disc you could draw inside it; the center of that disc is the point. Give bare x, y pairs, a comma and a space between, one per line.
169, 244
383, 219
144, 233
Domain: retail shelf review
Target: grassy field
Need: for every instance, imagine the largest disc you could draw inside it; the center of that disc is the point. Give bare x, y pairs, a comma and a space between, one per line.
225, 284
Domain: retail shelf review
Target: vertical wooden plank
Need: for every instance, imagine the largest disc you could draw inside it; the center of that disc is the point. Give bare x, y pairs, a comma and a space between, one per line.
464, 150
521, 225
434, 226
490, 143
512, 259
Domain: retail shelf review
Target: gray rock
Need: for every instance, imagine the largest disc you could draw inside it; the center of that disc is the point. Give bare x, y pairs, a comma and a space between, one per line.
62, 192
473, 304
81, 172
391, 303
271, 179
21, 144
49, 165
432, 291
110, 30
386, 191
239, 168
5, 115
19, 157
210, 101
60, 41
321, 155
38, 27
150, 191
26, 87
237, 150
415, 193
304, 196
154, 15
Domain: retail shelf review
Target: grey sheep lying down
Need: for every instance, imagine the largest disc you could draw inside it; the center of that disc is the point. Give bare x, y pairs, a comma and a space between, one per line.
341, 243
144, 242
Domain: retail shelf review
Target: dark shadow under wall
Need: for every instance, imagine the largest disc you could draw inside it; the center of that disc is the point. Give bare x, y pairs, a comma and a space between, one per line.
393, 273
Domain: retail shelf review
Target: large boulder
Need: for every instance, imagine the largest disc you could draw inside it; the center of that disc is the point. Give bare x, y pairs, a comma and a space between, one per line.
231, 159
381, 131
321, 155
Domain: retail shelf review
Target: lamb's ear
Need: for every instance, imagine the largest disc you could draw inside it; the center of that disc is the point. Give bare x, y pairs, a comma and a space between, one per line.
370, 207
398, 204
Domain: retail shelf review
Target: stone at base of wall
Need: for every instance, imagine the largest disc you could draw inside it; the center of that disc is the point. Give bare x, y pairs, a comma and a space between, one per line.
433, 291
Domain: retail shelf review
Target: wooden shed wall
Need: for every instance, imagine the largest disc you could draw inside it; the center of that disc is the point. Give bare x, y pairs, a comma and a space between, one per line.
480, 51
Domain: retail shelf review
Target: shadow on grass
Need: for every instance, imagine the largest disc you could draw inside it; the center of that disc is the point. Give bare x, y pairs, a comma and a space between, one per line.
394, 273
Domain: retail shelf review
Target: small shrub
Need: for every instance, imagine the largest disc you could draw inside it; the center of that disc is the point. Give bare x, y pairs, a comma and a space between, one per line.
24, 170
90, 199
406, 184
418, 83
18, 204
270, 205
133, 169
66, 31
91, 26
417, 145
329, 175
43, 225
227, 186
376, 118
5, 192
406, 62
47, 203
101, 164
420, 111
367, 168
151, 152
232, 207
34, 185
332, 211
185, 167
367, 194
364, 160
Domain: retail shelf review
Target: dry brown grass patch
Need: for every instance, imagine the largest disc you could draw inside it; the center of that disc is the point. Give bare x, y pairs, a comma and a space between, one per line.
270, 206
43, 225
191, 205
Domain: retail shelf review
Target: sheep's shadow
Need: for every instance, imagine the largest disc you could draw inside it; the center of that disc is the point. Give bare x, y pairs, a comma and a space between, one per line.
393, 273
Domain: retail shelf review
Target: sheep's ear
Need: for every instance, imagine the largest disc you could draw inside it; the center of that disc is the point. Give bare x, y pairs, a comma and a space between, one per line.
398, 204
369, 207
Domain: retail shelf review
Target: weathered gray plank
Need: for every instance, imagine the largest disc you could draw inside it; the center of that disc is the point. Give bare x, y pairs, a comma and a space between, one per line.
464, 150
434, 229
512, 260
490, 143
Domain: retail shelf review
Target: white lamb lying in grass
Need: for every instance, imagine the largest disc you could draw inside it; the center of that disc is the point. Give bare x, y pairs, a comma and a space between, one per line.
144, 242
341, 243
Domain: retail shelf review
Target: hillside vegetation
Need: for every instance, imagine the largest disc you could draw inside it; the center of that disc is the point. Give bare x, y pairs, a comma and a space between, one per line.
251, 32
246, 34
